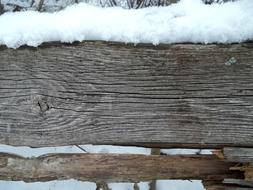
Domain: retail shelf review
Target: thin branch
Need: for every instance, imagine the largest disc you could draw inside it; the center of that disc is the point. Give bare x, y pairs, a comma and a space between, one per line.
41, 2
1, 8
101, 3
102, 186
112, 3
128, 4
81, 148
136, 186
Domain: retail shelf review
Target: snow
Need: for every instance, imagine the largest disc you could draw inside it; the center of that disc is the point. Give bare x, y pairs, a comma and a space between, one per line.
30, 152
127, 186
179, 185
186, 21
78, 185
52, 185
181, 151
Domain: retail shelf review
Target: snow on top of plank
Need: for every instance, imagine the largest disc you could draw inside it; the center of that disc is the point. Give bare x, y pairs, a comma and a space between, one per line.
186, 21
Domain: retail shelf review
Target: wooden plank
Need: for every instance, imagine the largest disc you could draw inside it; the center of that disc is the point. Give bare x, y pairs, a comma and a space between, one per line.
218, 185
240, 182
152, 184
247, 169
225, 187
109, 93
114, 167
242, 155
235, 154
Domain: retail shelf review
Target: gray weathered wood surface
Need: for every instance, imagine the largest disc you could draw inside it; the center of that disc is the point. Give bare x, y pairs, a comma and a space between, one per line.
221, 185
114, 167
226, 187
110, 93
240, 182
243, 155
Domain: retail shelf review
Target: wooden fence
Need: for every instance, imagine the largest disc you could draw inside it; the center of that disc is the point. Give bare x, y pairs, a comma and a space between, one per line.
181, 95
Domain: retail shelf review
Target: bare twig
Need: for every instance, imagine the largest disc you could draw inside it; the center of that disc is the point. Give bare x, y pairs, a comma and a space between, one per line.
131, 4
102, 186
136, 186
101, 3
81, 148
113, 3
1, 8
128, 4
41, 2
139, 4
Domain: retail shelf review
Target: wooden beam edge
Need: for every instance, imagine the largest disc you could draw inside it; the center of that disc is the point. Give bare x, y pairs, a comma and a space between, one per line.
248, 43
114, 167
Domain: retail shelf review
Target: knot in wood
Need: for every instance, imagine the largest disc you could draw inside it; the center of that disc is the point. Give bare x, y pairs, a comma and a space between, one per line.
231, 61
43, 104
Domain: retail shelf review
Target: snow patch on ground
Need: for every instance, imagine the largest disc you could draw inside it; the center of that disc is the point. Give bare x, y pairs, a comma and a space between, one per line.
186, 21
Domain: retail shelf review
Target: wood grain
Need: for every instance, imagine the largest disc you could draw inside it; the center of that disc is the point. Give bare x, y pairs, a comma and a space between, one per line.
114, 167
243, 155
110, 93
240, 182
219, 185
226, 187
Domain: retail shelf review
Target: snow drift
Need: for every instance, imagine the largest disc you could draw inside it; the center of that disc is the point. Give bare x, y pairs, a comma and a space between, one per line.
187, 21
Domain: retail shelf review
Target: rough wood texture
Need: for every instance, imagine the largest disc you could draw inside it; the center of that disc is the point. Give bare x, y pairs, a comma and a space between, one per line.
244, 155
240, 182
226, 187
218, 185
109, 93
154, 151
113, 167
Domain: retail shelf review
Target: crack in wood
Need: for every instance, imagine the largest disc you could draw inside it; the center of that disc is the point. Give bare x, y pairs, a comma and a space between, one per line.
112, 93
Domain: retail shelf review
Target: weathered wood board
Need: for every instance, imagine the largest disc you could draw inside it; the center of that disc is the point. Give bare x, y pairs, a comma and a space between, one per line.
114, 167
110, 93
240, 182
227, 184
226, 187
243, 155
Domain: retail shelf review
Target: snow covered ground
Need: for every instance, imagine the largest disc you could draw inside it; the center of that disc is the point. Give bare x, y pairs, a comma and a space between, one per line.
78, 185
186, 21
